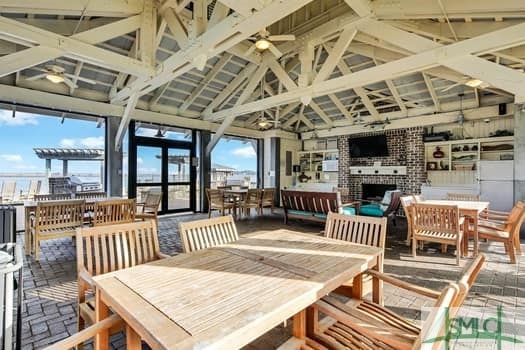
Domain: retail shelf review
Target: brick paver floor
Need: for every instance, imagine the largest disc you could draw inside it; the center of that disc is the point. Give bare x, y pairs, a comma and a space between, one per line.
50, 295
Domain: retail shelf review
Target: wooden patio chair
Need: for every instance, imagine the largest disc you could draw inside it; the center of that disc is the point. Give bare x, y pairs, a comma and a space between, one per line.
361, 324
357, 229
53, 197
463, 197
150, 207
108, 248
34, 189
406, 202
8, 191
207, 233
251, 200
113, 211
437, 223
267, 199
507, 232
55, 219
216, 201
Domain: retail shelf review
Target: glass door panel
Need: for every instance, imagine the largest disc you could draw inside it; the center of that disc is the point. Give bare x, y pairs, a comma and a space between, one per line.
178, 179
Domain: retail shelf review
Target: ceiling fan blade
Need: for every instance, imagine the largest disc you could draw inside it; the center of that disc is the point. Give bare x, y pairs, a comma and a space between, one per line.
85, 80
69, 83
35, 77
250, 50
450, 87
275, 51
284, 37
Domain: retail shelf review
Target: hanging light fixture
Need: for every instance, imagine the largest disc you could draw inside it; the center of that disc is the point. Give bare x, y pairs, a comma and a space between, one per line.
262, 44
159, 132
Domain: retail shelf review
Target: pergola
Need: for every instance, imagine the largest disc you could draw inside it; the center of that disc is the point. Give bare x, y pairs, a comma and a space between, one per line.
67, 154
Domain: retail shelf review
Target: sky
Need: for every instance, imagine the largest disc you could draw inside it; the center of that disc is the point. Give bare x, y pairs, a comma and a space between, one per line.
19, 135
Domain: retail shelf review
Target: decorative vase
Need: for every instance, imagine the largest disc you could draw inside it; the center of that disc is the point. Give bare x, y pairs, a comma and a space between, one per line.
438, 153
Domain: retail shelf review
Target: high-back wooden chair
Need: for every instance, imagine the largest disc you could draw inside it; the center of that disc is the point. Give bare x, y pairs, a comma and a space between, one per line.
361, 324
437, 223
113, 211
406, 202
252, 199
216, 201
34, 189
108, 248
53, 197
55, 219
207, 233
268, 199
150, 207
507, 231
463, 197
8, 191
357, 229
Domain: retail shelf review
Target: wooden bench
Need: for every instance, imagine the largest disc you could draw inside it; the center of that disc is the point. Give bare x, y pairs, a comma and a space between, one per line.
55, 219
313, 206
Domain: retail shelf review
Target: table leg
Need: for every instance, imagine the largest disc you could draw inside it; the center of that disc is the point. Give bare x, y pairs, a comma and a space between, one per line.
357, 287
101, 312
475, 236
299, 325
27, 230
133, 341
377, 284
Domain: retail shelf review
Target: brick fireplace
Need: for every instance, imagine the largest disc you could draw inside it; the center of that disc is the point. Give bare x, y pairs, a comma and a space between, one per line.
405, 148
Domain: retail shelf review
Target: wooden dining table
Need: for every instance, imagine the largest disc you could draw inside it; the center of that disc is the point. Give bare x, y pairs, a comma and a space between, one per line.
470, 209
227, 296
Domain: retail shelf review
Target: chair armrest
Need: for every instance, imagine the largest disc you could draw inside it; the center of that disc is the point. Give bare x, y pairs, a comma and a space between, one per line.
161, 255
86, 278
405, 285
87, 333
496, 212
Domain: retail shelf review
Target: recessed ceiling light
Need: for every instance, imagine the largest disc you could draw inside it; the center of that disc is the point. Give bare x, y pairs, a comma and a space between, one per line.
55, 78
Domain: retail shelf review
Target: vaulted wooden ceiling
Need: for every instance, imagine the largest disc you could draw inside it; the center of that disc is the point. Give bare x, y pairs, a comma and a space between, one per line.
353, 63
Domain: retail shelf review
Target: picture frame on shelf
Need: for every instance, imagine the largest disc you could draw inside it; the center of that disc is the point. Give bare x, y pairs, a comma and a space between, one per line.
431, 165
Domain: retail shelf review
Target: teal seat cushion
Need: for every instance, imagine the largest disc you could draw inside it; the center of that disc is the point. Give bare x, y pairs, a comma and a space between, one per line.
321, 216
349, 210
299, 212
371, 210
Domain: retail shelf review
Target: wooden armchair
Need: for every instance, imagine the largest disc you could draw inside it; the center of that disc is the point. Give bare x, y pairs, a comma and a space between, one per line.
406, 202
207, 233
251, 200
7, 193
108, 248
54, 219
34, 189
360, 324
357, 229
388, 207
437, 223
268, 199
216, 201
150, 207
113, 211
507, 231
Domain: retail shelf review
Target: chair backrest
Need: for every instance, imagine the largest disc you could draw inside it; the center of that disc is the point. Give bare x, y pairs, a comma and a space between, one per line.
434, 217
8, 191
462, 197
515, 219
406, 202
268, 195
469, 275
152, 201
207, 233
434, 327
253, 195
107, 248
419, 198
395, 202
53, 197
34, 188
356, 229
113, 211
90, 195
215, 196
59, 214
224, 187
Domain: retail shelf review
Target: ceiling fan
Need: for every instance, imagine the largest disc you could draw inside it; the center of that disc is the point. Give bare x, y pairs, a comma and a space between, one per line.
57, 74
265, 123
471, 82
263, 41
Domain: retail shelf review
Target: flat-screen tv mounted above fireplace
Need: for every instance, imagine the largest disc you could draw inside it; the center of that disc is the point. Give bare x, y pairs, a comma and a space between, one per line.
368, 146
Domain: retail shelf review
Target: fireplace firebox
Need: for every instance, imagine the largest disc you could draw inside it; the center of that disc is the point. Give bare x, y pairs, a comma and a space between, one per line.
375, 191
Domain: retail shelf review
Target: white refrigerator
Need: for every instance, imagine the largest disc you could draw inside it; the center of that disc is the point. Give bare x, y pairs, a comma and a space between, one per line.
496, 181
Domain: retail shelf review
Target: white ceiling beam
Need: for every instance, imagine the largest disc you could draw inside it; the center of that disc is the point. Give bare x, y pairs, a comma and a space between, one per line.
432, 92
76, 74
74, 47
230, 89
224, 35
395, 94
319, 111
209, 77
414, 9
177, 28
200, 17
40, 54
147, 34
504, 38
361, 7
124, 122
243, 7
220, 12
158, 94
336, 54
178, 5
341, 107
93, 8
